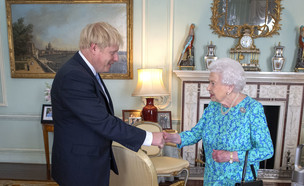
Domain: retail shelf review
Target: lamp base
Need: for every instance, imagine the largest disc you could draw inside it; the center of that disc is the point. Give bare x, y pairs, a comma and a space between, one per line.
149, 112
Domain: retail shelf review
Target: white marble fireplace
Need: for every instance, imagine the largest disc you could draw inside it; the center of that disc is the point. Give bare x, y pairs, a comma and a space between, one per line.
283, 89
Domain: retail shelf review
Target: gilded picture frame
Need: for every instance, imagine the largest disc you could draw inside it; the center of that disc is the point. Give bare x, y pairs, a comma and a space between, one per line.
44, 34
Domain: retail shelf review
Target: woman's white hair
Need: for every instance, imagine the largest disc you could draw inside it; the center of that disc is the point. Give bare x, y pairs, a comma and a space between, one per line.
231, 72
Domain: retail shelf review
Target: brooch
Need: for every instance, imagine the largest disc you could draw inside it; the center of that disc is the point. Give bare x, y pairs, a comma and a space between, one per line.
243, 110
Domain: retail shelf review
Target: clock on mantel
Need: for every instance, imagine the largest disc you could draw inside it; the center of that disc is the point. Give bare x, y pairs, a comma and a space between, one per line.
246, 52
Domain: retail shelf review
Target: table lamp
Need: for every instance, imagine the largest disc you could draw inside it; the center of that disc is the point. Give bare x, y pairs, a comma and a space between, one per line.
150, 84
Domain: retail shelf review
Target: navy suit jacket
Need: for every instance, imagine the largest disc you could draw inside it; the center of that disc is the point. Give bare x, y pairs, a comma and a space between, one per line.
84, 128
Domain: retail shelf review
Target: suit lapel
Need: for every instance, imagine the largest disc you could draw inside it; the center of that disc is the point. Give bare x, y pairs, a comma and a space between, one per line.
107, 94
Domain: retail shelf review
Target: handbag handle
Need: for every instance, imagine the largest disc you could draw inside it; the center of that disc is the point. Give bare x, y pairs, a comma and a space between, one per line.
253, 172
244, 169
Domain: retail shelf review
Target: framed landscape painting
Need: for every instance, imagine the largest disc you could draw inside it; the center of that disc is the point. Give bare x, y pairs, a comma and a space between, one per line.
44, 34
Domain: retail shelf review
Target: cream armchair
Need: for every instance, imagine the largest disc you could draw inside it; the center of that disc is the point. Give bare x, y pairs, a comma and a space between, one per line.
164, 165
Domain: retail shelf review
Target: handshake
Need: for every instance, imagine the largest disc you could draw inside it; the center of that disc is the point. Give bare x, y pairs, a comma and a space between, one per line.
160, 138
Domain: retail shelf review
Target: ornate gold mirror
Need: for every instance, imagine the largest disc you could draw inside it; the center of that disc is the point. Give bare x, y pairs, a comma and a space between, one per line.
231, 17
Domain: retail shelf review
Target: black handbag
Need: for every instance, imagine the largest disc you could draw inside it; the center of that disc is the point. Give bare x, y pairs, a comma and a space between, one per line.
255, 182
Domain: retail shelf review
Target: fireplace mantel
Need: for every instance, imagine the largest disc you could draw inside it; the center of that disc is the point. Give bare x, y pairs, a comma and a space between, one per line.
283, 89
196, 75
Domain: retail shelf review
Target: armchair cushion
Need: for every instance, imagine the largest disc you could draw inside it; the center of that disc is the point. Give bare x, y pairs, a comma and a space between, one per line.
168, 165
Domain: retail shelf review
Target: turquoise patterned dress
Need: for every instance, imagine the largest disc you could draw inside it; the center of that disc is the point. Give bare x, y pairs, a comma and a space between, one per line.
243, 128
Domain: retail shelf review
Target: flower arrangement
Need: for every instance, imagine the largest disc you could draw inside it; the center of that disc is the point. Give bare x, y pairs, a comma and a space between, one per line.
47, 93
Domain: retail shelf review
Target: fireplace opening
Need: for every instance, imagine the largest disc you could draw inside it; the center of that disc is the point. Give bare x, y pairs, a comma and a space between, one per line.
272, 117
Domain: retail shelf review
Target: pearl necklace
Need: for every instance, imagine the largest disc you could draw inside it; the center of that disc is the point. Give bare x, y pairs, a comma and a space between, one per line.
224, 113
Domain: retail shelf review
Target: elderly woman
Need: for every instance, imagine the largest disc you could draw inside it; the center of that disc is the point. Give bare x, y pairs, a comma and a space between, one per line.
232, 124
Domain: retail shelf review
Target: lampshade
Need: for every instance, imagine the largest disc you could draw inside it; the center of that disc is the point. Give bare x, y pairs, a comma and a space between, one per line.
150, 83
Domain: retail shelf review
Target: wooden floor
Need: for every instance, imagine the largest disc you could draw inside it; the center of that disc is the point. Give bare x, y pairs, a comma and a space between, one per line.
19, 171
13, 174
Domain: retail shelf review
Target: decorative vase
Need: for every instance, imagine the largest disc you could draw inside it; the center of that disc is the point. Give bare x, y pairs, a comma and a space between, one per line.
149, 112
278, 59
210, 57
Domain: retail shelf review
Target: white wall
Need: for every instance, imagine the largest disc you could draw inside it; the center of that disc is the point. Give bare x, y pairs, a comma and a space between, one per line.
159, 30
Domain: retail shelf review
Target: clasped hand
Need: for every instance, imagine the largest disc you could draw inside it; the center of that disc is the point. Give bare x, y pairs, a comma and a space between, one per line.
220, 156
160, 138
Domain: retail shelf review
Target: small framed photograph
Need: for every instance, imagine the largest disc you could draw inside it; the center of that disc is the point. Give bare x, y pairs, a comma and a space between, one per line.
46, 114
164, 119
134, 120
131, 116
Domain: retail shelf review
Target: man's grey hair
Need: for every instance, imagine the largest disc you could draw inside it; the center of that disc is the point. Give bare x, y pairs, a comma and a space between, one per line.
231, 72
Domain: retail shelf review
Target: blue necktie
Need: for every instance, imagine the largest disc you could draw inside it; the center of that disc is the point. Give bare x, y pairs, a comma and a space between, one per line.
99, 81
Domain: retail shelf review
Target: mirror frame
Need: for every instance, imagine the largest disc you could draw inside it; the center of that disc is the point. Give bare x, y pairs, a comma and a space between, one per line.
226, 30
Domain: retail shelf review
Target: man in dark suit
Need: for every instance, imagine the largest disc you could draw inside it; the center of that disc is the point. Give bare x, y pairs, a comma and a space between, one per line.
84, 121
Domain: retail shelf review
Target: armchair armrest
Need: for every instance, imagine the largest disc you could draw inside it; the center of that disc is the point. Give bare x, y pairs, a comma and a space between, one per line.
171, 131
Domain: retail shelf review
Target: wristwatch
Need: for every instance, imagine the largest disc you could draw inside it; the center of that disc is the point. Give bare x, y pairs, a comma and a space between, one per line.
231, 157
